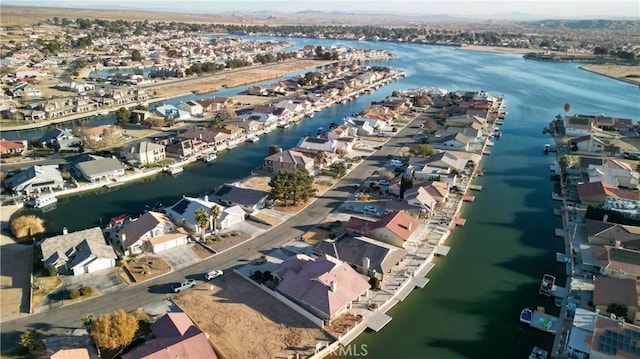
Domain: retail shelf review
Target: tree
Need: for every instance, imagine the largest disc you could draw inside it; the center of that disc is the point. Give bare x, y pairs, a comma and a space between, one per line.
112, 331
123, 115
321, 156
319, 51
567, 108
215, 213
216, 122
296, 185
619, 310
430, 125
136, 55
28, 339
26, 226
422, 150
565, 161
273, 149
202, 220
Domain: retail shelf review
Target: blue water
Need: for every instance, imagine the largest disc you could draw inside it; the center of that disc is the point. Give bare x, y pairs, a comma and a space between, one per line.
471, 305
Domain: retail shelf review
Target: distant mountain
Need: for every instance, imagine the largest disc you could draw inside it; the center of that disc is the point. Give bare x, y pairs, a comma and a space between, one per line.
618, 25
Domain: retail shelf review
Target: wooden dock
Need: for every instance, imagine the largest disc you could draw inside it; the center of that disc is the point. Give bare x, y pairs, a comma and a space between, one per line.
459, 221
557, 212
486, 152
475, 187
560, 232
469, 198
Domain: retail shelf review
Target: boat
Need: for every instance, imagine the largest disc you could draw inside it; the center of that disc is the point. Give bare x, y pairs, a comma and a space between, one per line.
173, 170
104, 113
253, 139
526, 315
42, 201
547, 285
497, 133
208, 157
284, 126
538, 353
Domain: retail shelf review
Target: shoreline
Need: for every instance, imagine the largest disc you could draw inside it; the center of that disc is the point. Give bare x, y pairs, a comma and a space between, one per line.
611, 76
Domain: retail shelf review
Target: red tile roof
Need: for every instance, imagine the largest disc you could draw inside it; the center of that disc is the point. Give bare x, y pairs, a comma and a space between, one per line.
399, 222
592, 189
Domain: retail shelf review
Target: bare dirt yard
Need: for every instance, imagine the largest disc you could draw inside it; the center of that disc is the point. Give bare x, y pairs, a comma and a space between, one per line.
624, 73
243, 322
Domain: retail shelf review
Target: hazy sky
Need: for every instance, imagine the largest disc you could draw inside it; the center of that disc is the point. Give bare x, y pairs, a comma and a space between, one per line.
541, 8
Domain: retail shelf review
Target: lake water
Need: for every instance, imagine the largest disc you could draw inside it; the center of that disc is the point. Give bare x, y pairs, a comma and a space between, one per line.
470, 307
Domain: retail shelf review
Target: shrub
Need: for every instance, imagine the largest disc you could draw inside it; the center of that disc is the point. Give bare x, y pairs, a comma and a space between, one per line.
26, 226
86, 291
73, 294
51, 270
374, 282
257, 276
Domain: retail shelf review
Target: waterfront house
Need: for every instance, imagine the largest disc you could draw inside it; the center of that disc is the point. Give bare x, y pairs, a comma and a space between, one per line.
588, 143
466, 120
289, 160
215, 103
61, 140
35, 179
596, 193
624, 292
341, 145
174, 335
324, 286
12, 148
144, 153
191, 107
363, 126
455, 141
249, 126
616, 262
183, 213
235, 132
428, 196
342, 131
100, 169
606, 233
208, 136
613, 338
581, 329
394, 228
249, 199
172, 112
367, 256
628, 208
80, 252
615, 173
151, 232
186, 148
469, 132
579, 125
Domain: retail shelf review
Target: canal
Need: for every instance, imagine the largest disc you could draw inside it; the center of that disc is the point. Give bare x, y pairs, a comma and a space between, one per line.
470, 307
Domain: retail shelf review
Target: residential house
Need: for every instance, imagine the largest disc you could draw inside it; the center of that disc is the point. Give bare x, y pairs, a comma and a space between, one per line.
80, 252
611, 234
582, 328
289, 160
469, 132
57, 107
151, 232
429, 196
616, 173
215, 103
23, 89
579, 125
235, 133
249, 199
364, 126
596, 193
77, 87
11, 148
588, 143
174, 335
617, 262
144, 153
341, 145
325, 286
183, 213
35, 179
629, 208
211, 137
186, 148
367, 256
61, 140
456, 141
342, 131
608, 291
394, 228
250, 127
96, 133
172, 112
192, 107
466, 120
441, 166
100, 169
613, 339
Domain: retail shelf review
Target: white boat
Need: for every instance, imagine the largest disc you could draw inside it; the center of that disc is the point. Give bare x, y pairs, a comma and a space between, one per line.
173, 170
104, 113
208, 157
538, 353
43, 201
253, 139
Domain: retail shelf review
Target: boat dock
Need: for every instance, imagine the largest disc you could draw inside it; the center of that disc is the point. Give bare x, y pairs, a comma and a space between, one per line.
545, 322
559, 232
442, 250
377, 321
475, 187
469, 198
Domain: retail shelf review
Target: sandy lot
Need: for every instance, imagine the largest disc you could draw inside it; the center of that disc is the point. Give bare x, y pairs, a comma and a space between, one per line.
244, 322
497, 49
625, 73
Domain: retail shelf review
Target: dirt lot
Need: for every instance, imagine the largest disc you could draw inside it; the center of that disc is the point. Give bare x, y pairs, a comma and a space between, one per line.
243, 322
625, 73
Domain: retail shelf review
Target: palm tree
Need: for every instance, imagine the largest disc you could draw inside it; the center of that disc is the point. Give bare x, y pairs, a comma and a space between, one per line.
567, 108
202, 220
321, 156
215, 214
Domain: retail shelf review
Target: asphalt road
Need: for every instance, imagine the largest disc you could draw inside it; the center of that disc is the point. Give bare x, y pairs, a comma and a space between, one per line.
60, 320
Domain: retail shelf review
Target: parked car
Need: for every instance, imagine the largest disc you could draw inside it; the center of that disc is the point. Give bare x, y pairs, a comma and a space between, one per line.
213, 274
177, 288
396, 163
384, 182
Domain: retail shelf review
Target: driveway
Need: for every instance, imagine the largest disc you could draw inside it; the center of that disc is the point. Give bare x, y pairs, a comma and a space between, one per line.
179, 257
15, 280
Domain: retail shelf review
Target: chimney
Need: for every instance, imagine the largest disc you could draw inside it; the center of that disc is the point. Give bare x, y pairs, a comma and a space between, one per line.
409, 226
333, 286
366, 263
280, 158
123, 239
618, 244
64, 230
605, 218
206, 198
